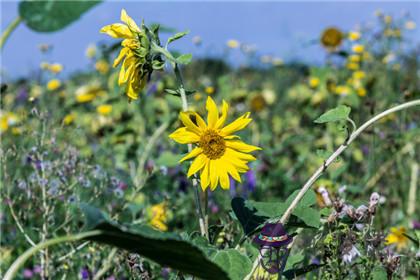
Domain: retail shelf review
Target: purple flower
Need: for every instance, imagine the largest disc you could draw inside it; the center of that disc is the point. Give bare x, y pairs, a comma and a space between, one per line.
416, 225
27, 273
251, 180
37, 269
232, 188
84, 273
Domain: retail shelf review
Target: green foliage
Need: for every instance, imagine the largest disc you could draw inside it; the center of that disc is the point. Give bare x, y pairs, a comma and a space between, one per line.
168, 159
340, 113
177, 36
234, 263
52, 15
184, 58
167, 249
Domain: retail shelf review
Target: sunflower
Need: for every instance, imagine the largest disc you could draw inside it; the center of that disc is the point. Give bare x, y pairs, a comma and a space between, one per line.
218, 153
133, 72
398, 237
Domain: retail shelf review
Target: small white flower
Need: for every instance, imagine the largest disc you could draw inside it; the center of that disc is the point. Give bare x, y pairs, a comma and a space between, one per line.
351, 255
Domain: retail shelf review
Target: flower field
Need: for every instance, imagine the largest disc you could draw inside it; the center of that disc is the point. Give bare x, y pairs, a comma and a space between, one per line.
153, 163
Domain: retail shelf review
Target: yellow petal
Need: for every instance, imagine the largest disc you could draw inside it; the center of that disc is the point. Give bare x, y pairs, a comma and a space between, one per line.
121, 55
221, 121
239, 155
213, 113
186, 120
197, 164
241, 146
200, 122
230, 168
117, 30
195, 152
204, 176
224, 179
236, 125
129, 21
184, 136
214, 175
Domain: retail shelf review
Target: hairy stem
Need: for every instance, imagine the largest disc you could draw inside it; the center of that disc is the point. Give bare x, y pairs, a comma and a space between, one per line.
20, 261
330, 160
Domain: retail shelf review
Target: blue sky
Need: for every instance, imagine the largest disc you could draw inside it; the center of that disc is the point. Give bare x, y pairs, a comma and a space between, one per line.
281, 29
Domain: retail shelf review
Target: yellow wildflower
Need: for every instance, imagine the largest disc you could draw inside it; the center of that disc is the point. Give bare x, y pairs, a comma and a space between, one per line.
44, 65
53, 84
352, 66
354, 35
104, 110
388, 19
197, 96
313, 82
358, 48
158, 216
209, 90
342, 90
7, 119
354, 58
359, 75
132, 73
397, 236
102, 66
55, 68
219, 154
361, 91
233, 44
88, 93
69, 118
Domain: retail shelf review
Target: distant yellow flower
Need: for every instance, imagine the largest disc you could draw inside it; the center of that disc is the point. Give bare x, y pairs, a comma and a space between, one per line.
397, 236
352, 66
277, 61
258, 103
158, 216
69, 118
358, 48
233, 44
44, 65
7, 119
354, 35
55, 68
359, 75
53, 84
361, 91
88, 93
209, 90
197, 96
219, 154
388, 19
342, 90
102, 66
354, 58
331, 38
104, 110
91, 51
131, 73
410, 25
313, 82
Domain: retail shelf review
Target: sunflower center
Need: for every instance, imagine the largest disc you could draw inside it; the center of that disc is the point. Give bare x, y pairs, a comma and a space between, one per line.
213, 144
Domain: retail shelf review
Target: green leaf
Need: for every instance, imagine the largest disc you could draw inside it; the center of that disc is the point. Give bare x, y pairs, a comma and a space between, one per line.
246, 215
166, 249
294, 273
294, 260
184, 58
168, 159
177, 36
49, 16
379, 273
309, 216
339, 113
234, 263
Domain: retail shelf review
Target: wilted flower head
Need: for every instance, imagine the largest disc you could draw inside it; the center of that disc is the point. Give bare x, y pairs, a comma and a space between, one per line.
350, 254
137, 55
331, 38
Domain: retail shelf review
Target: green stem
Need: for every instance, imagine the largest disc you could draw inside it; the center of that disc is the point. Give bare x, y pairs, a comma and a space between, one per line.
200, 213
14, 268
12, 26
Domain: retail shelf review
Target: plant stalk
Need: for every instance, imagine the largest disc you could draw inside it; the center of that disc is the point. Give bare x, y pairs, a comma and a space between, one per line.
20, 261
9, 29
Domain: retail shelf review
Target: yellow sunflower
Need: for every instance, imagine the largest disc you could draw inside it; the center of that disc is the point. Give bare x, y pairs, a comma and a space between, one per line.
397, 236
131, 72
218, 153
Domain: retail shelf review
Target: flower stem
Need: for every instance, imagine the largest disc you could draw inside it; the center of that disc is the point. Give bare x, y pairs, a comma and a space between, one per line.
12, 26
14, 268
199, 209
330, 160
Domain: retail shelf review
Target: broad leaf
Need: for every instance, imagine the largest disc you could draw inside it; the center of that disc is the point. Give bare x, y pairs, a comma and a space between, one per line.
177, 36
50, 15
236, 264
184, 59
166, 249
168, 159
339, 113
246, 216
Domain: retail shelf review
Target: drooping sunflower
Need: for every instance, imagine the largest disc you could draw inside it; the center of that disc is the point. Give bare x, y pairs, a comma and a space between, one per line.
137, 62
219, 154
331, 38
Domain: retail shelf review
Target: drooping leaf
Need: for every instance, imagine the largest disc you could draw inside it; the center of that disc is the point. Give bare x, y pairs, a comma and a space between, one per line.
339, 113
177, 36
166, 249
50, 15
236, 264
246, 216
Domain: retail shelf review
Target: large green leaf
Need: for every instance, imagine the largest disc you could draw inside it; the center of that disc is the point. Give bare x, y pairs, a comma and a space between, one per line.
236, 264
339, 113
167, 249
50, 15
246, 215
